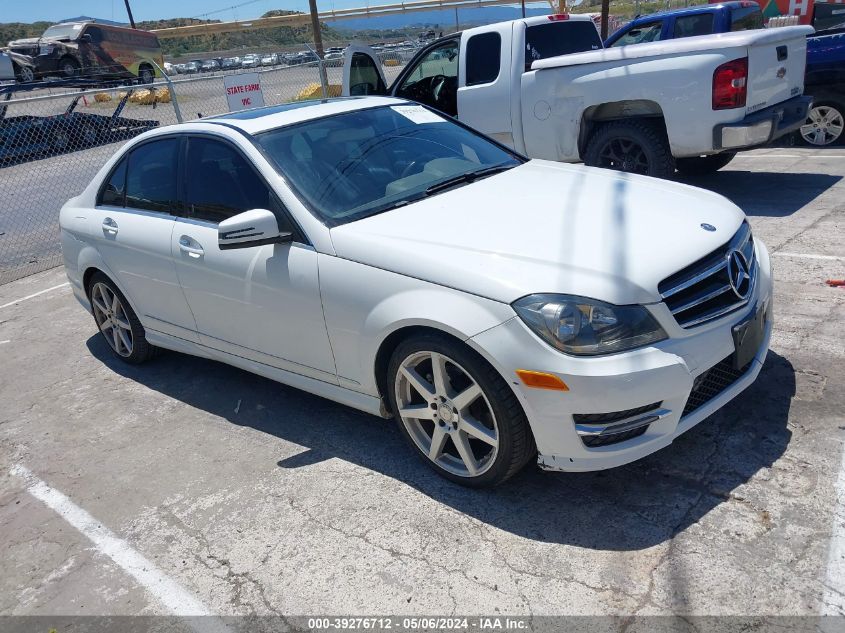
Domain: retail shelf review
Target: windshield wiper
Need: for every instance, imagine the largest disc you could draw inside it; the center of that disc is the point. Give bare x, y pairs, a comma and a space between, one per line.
468, 177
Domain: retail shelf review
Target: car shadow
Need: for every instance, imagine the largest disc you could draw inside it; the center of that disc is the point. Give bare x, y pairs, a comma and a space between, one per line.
764, 193
628, 508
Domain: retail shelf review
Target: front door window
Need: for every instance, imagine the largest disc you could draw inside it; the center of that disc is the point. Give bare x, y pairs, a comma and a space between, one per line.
434, 80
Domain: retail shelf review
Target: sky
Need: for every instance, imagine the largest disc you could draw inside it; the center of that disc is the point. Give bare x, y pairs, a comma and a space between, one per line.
55, 10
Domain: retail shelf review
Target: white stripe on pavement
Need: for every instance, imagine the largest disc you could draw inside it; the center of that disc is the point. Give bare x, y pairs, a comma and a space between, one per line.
166, 591
33, 295
834, 581
790, 156
811, 256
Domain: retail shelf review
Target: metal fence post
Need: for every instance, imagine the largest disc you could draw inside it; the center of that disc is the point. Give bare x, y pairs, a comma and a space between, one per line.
324, 80
173, 97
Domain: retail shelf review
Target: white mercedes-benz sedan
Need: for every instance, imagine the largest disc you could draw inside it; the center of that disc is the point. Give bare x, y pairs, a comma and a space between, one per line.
378, 254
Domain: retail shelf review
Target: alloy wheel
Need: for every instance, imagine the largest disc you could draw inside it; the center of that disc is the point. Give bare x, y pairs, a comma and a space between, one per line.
111, 319
824, 125
446, 414
624, 154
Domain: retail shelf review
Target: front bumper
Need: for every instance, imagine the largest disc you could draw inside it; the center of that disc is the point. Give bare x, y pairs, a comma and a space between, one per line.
764, 126
668, 374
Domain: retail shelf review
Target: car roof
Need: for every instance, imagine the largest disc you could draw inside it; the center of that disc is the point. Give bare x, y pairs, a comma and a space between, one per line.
258, 120
700, 8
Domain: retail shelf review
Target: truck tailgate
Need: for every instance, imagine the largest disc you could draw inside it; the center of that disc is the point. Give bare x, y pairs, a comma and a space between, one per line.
776, 67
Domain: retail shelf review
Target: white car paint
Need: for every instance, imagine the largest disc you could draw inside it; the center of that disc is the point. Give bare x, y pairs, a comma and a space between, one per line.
314, 315
549, 111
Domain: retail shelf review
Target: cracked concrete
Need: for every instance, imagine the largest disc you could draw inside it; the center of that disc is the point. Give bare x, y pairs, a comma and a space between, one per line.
288, 504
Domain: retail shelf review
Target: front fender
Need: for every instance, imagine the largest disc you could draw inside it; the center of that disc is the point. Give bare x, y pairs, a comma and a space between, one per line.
364, 305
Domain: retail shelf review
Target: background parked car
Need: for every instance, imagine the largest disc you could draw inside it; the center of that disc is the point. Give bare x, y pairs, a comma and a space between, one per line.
191, 67
334, 59
270, 59
89, 49
230, 63
250, 61
209, 65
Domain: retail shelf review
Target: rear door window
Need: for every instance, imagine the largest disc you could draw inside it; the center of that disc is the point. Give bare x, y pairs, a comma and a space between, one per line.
648, 32
151, 176
692, 25
484, 58
560, 38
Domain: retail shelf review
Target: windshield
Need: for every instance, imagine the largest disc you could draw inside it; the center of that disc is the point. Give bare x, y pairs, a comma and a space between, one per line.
354, 165
63, 30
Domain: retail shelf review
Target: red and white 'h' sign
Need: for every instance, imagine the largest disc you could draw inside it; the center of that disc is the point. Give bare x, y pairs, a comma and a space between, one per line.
243, 91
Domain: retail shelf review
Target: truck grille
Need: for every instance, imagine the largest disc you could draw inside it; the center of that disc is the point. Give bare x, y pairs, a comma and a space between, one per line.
703, 291
713, 382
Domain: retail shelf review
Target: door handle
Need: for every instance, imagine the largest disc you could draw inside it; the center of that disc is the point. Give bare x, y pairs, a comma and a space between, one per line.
190, 246
110, 226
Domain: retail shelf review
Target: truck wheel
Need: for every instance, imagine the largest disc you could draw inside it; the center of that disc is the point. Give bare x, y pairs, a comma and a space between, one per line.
25, 74
703, 165
68, 67
146, 75
824, 124
635, 146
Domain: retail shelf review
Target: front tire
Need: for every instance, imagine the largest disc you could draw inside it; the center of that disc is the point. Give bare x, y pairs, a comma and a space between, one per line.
633, 146
25, 74
118, 322
456, 411
146, 75
703, 165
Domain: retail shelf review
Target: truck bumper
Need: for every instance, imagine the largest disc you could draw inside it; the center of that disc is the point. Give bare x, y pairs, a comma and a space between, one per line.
764, 126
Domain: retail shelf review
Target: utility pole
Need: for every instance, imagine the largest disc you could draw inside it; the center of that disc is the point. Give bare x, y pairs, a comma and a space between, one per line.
315, 26
129, 11
523, 8
605, 13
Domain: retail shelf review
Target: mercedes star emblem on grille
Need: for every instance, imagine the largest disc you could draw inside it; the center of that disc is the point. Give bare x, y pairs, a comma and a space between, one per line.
739, 275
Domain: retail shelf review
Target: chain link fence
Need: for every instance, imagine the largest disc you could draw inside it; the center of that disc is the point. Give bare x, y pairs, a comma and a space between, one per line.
54, 139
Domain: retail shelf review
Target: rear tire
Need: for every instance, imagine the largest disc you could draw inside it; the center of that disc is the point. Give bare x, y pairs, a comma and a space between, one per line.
824, 125
635, 146
146, 75
473, 417
68, 67
117, 321
703, 165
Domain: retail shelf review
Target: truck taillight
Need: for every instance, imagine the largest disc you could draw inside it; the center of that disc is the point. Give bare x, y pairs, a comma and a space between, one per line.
730, 84
559, 17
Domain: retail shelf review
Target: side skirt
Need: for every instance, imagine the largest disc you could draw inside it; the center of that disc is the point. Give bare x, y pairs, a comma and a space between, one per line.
356, 400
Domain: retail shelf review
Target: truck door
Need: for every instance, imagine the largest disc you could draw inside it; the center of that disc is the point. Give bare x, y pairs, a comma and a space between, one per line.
484, 80
362, 73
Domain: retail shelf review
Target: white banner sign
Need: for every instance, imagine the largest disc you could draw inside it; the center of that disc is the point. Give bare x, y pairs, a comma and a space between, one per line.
243, 91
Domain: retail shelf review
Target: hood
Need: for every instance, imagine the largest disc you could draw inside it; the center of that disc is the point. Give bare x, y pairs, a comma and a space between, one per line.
547, 227
25, 42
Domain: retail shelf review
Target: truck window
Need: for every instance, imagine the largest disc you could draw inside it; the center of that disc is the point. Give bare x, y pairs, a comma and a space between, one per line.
648, 32
692, 25
560, 38
746, 18
434, 79
484, 58
364, 78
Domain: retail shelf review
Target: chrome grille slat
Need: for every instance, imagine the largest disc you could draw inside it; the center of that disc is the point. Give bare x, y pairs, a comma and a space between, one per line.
702, 291
701, 299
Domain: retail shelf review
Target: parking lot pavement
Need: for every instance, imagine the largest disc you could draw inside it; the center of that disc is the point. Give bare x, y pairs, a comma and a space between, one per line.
251, 497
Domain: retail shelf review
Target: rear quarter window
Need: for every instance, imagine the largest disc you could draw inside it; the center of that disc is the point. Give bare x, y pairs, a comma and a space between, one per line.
560, 38
746, 18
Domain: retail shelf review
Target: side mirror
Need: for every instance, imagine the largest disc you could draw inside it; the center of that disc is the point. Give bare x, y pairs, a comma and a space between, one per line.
86, 37
250, 228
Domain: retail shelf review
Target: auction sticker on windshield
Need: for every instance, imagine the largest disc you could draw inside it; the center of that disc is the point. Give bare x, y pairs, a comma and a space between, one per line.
418, 114
243, 91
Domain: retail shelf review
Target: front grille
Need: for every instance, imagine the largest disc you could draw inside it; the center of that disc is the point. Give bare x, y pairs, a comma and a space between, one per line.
713, 382
702, 291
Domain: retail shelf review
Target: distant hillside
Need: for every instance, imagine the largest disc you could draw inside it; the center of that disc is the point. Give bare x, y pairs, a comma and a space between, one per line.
181, 46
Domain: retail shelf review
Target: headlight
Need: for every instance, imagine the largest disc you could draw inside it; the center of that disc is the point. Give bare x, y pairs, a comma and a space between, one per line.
586, 327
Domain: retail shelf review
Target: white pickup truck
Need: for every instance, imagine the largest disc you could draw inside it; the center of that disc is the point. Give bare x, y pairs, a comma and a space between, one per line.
546, 87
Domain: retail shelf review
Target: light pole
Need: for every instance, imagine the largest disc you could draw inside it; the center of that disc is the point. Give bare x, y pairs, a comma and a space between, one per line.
318, 44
